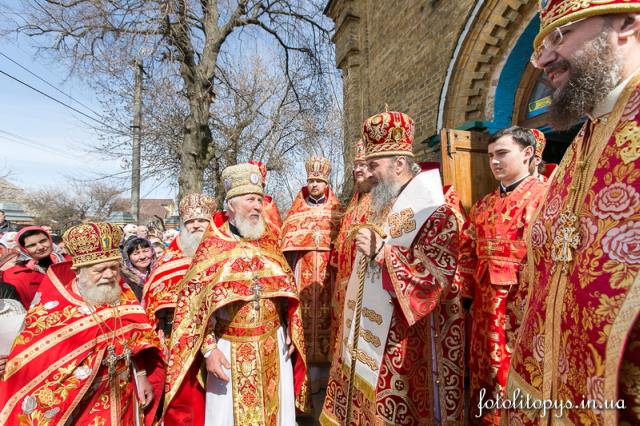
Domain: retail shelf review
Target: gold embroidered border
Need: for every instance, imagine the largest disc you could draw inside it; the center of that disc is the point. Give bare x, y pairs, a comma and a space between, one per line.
600, 139
56, 365
405, 304
550, 23
83, 389
32, 351
62, 289
257, 370
367, 360
361, 384
369, 337
188, 358
326, 420
372, 315
271, 267
173, 264
615, 347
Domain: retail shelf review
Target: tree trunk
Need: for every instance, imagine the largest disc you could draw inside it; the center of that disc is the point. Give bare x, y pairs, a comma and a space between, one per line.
196, 150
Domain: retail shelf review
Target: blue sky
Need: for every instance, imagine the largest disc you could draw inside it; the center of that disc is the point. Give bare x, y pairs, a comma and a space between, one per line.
42, 142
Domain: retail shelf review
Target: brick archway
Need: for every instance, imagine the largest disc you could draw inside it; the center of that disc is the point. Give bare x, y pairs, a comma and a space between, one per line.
483, 53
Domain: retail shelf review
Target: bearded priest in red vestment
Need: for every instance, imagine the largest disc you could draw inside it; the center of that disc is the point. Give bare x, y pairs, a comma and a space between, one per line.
163, 285
238, 316
308, 236
492, 254
345, 251
88, 354
270, 210
401, 336
579, 336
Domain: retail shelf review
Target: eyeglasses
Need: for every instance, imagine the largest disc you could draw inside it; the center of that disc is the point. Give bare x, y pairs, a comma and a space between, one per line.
360, 166
551, 42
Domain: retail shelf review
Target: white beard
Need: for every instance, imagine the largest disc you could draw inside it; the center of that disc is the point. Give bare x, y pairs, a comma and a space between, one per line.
99, 294
248, 230
189, 242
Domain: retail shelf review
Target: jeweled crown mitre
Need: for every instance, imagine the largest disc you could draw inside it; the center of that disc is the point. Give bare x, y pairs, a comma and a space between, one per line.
92, 243
318, 168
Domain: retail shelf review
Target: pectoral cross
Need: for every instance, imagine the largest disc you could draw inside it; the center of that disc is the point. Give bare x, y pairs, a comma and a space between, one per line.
566, 240
112, 359
256, 289
317, 236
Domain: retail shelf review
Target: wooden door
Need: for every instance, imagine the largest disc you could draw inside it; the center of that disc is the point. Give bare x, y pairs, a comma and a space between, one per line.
465, 164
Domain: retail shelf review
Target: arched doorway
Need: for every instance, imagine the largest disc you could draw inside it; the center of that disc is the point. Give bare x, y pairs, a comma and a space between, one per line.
533, 112
492, 85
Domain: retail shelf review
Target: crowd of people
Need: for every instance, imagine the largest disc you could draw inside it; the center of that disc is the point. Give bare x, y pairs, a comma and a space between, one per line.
400, 308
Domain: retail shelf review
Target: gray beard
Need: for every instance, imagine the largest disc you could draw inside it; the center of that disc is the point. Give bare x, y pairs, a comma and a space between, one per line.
382, 195
99, 295
594, 71
248, 230
189, 242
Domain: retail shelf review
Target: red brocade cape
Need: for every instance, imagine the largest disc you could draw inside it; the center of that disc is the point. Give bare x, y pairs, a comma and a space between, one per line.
55, 367
308, 235
580, 329
222, 272
272, 215
311, 228
492, 256
161, 288
421, 354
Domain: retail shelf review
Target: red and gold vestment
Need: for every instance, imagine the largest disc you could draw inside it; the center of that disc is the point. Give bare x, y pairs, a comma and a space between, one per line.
408, 366
240, 277
579, 334
59, 370
344, 254
162, 287
492, 254
272, 215
308, 235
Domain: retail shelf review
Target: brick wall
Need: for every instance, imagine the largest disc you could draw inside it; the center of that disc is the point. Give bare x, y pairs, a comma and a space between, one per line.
395, 53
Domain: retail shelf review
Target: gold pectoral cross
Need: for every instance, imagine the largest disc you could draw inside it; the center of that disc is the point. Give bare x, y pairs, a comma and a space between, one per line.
112, 359
566, 240
256, 289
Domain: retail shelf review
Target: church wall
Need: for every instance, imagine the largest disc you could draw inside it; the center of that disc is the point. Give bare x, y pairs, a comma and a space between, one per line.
397, 53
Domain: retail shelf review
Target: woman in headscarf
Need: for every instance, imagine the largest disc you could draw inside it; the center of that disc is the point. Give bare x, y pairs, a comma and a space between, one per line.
37, 253
139, 259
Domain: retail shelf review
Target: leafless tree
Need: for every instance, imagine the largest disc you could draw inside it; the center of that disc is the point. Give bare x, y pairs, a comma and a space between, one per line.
182, 43
61, 208
258, 117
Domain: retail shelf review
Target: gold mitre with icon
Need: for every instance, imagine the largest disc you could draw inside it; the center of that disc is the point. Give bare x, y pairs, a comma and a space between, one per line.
388, 134
318, 168
197, 206
92, 243
242, 179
